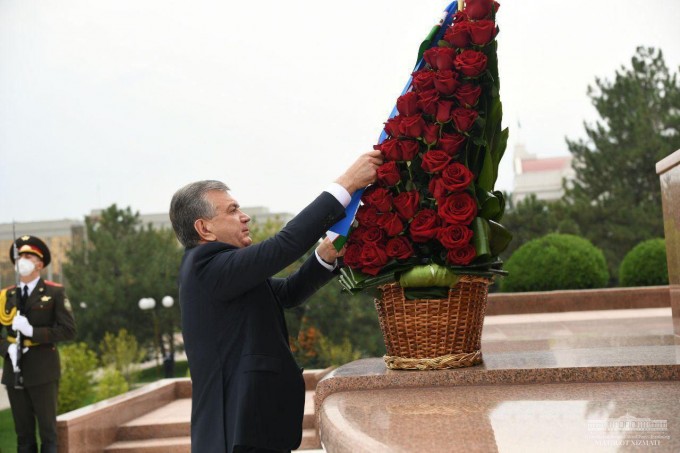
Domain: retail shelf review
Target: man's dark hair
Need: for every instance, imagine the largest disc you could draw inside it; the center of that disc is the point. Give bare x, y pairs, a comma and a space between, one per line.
189, 204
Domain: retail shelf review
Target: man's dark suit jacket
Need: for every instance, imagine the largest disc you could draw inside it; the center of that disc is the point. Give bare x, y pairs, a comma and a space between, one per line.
247, 388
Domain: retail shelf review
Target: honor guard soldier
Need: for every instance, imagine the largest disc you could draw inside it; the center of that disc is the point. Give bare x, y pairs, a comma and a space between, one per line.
39, 314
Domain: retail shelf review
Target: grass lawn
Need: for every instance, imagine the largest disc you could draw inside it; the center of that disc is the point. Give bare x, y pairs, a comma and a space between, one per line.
155, 373
8, 440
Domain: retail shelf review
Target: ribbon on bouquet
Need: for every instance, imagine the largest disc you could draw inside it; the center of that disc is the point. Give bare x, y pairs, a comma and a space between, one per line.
339, 232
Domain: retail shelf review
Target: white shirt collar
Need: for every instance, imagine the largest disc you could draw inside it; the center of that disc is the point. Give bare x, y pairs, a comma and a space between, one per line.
31, 285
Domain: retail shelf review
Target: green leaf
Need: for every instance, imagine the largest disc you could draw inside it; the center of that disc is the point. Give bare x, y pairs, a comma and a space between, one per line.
491, 205
499, 236
480, 228
485, 179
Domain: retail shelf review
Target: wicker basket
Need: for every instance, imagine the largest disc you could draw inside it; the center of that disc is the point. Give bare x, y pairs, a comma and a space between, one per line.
434, 334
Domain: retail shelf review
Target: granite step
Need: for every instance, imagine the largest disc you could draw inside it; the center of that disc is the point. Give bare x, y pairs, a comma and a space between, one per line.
172, 420
166, 445
310, 441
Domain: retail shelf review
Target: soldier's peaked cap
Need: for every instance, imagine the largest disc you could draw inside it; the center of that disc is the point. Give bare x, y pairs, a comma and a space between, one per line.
32, 245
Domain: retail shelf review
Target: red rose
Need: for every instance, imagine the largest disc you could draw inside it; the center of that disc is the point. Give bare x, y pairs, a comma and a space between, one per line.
458, 35
456, 177
431, 134
427, 101
412, 126
424, 226
436, 187
372, 235
367, 215
440, 57
388, 173
461, 256
392, 126
463, 119
471, 63
459, 207
406, 204
460, 16
399, 248
482, 32
479, 9
446, 82
352, 256
468, 94
444, 111
372, 258
454, 236
451, 143
389, 149
391, 223
408, 149
423, 80
378, 197
435, 161
357, 235
407, 104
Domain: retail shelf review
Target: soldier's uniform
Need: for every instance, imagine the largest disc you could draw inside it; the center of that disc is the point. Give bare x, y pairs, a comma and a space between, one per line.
49, 312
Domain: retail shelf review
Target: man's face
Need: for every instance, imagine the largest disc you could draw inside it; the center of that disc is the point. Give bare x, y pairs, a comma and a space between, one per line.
230, 224
37, 261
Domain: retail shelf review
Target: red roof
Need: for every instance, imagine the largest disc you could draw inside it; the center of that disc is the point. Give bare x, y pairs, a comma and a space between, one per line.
547, 164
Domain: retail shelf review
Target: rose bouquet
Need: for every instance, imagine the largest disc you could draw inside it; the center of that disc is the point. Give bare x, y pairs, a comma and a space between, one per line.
433, 214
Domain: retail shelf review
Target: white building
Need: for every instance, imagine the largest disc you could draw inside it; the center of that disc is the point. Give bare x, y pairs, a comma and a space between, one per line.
540, 176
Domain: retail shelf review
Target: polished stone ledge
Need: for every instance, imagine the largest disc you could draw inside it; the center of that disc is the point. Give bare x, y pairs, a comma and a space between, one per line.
579, 417
536, 351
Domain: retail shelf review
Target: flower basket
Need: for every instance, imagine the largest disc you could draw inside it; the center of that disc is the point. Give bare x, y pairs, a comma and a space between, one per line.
433, 334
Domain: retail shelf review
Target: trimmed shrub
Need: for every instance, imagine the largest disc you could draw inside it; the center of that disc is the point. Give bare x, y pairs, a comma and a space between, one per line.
121, 352
555, 261
76, 387
645, 265
112, 383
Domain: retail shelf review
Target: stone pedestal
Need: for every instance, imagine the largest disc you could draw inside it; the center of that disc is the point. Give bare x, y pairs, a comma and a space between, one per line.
668, 170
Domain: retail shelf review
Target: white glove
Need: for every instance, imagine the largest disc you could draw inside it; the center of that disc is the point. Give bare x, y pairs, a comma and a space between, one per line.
21, 324
12, 352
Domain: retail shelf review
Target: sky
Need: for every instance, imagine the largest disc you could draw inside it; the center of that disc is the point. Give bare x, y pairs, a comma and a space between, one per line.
125, 101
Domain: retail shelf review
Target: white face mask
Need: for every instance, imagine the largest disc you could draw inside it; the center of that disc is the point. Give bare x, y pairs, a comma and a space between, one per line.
26, 267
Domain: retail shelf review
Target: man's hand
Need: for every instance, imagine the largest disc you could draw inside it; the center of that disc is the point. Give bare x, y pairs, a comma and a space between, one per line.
362, 172
21, 324
328, 253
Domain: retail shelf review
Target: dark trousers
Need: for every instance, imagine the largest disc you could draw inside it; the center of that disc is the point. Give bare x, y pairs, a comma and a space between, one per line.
31, 404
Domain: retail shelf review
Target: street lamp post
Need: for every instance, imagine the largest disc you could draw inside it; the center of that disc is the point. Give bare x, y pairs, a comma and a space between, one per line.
149, 303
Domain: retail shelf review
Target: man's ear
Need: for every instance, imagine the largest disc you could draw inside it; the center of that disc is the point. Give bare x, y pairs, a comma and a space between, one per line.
202, 227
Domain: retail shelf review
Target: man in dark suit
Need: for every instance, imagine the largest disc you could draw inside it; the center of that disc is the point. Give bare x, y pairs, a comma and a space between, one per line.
39, 311
248, 392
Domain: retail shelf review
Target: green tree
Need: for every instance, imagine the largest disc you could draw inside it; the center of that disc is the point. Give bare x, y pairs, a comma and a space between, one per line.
615, 198
122, 262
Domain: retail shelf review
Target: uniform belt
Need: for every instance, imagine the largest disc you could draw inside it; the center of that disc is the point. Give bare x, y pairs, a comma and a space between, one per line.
30, 344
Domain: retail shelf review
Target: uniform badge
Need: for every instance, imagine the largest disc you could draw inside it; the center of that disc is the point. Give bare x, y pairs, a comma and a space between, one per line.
25, 238
67, 304
45, 298
41, 289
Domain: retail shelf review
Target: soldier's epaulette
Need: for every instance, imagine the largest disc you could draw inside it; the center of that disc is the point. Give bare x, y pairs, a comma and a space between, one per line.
9, 287
49, 283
